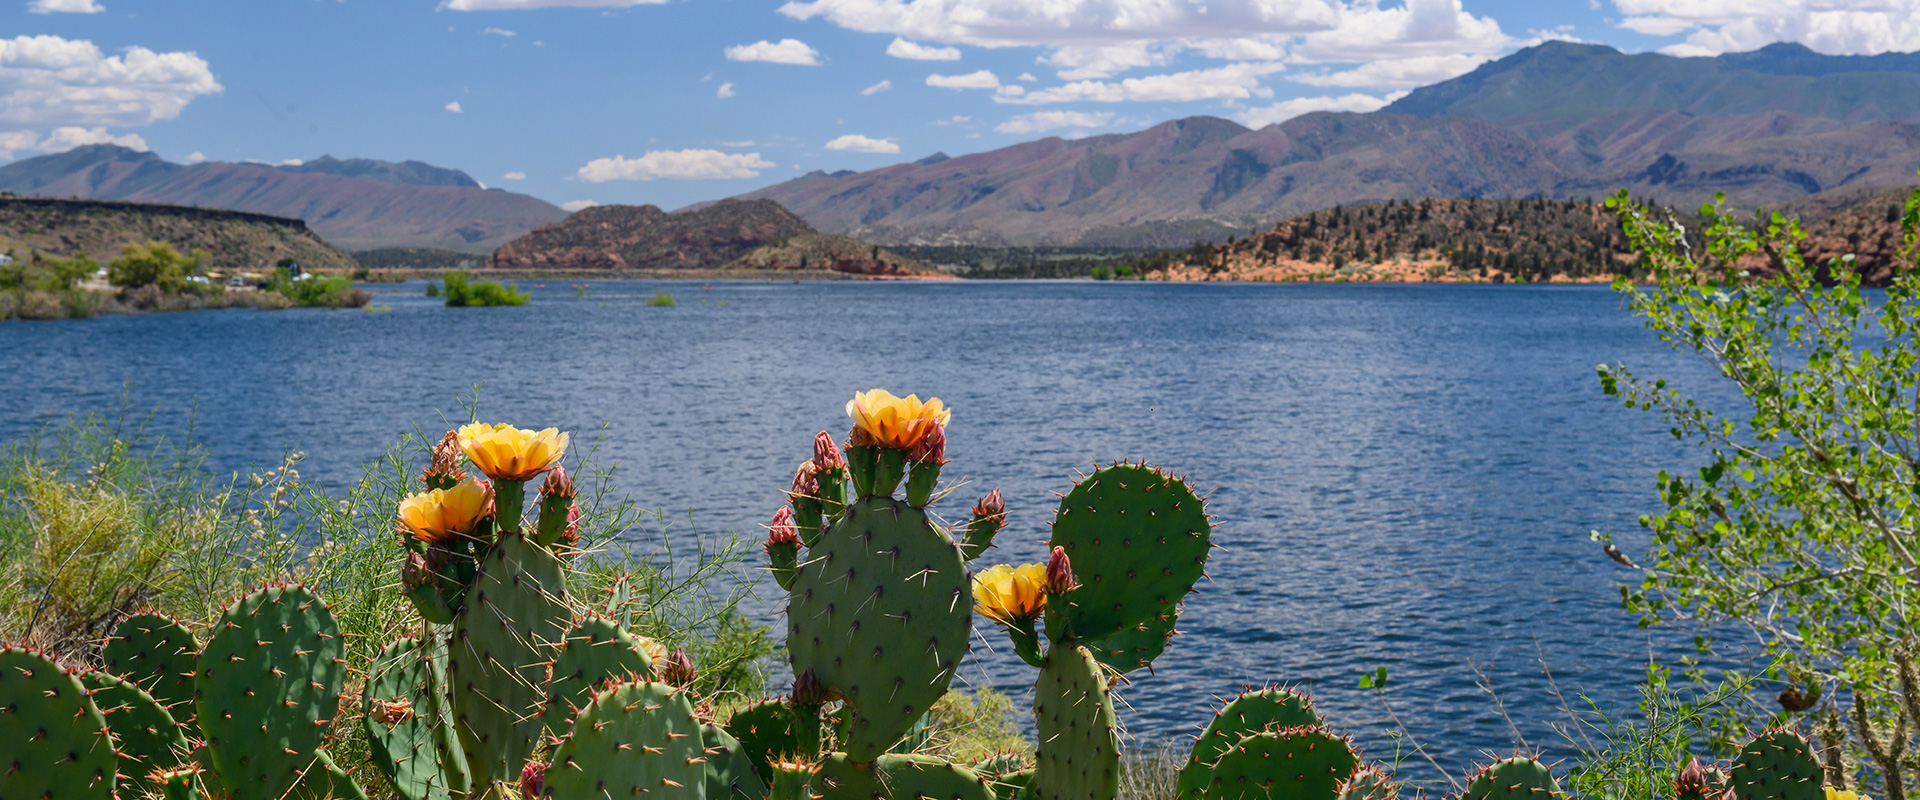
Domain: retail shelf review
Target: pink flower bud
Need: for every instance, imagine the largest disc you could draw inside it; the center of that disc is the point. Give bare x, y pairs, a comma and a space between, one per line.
859, 437
533, 780
1059, 573
932, 447
806, 481
808, 692
782, 530
445, 462
991, 506
826, 455
679, 668
572, 534
557, 484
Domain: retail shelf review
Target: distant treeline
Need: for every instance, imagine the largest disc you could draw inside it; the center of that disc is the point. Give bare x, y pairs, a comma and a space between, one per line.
420, 258
968, 261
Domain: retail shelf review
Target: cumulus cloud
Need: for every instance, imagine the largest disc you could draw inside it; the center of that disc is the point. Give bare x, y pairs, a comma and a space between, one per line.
71, 136
1052, 120
1829, 26
1006, 23
1288, 109
12, 141
195, 157
914, 51
883, 86
1080, 62
726, 90
785, 51
515, 176
982, 79
575, 205
49, 82
1398, 73
509, 5
64, 7
688, 164
742, 143
1230, 82
855, 143
954, 120
498, 32
454, 107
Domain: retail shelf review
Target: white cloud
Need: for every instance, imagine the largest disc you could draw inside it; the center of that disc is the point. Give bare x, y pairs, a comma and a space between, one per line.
1417, 28
12, 141
498, 32
955, 120
454, 107
745, 143
49, 82
1828, 26
515, 176
883, 86
1006, 23
509, 5
914, 51
1028, 77
855, 143
785, 51
675, 164
575, 205
1052, 120
1080, 62
982, 79
64, 7
1230, 82
1288, 109
1398, 73
195, 157
726, 90
68, 137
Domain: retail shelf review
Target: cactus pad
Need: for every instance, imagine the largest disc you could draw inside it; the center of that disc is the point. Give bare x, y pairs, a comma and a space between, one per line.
1513, 779
1243, 716
57, 746
597, 650
502, 641
770, 731
634, 739
160, 656
730, 774
1777, 765
1137, 647
1368, 783
147, 737
897, 777
790, 782
1138, 540
1079, 756
407, 726
268, 685
325, 780
879, 612
1295, 763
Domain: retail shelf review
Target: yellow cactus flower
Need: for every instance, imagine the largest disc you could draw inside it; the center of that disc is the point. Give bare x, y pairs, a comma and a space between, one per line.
1007, 594
437, 515
1844, 794
899, 422
507, 453
656, 652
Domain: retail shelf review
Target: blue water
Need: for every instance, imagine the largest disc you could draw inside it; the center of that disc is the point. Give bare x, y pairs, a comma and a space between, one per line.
1403, 475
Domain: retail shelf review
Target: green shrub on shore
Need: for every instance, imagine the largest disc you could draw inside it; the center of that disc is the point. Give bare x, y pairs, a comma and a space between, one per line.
660, 299
320, 291
462, 290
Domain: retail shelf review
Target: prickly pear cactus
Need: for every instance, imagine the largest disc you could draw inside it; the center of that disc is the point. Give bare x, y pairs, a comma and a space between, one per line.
56, 742
502, 641
597, 650
897, 777
634, 739
771, 731
409, 732
1295, 763
148, 739
790, 781
1368, 783
730, 774
1777, 765
1243, 716
159, 655
879, 613
1079, 754
1007, 773
1138, 539
1513, 779
268, 685
325, 780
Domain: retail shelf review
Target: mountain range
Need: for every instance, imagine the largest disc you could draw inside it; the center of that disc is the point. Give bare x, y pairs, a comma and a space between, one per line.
355, 204
1776, 126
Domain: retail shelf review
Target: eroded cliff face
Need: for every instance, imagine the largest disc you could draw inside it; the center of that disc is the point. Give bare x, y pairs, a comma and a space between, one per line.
646, 238
826, 252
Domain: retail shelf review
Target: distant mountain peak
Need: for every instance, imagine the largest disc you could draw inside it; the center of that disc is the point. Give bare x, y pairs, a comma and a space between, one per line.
406, 173
933, 159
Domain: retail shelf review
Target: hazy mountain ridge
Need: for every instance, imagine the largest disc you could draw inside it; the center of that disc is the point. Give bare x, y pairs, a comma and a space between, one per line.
1558, 120
354, 204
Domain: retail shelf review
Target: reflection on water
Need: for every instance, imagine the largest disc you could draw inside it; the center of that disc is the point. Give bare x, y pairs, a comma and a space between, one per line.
1404, 476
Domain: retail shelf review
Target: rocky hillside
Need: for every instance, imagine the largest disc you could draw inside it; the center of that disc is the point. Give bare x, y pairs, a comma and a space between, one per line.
832, 253
618, 237
99, 230
1559, 120
355, 204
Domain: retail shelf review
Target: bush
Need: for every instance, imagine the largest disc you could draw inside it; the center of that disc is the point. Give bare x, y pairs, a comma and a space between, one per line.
156, 264
320, 291
462, 291
660, 299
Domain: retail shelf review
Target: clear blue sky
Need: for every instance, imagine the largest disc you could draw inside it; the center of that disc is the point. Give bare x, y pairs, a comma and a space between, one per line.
669, 103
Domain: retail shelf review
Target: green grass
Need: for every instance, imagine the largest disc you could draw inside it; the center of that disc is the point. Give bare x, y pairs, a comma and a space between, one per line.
660, 299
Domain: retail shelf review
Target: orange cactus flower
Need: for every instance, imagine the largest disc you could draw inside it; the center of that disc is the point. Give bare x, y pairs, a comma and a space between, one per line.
507, 453
1009, 595
898, 422
438, 515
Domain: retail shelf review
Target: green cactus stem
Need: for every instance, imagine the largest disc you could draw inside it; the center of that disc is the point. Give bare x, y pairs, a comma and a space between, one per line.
790, 782
922, 478
498, 654
897, 777
1138, 539
409, 732
889, 466
176, 784
771, 731
1518, 778
148, 739
509, 505
1298, 763
1243, 716
1776, 765
730, 774
635, 739
325, 780
267, 687
1079, 752
862, 462
56, 740
597, 650
1368, 783
989, 516
158, 654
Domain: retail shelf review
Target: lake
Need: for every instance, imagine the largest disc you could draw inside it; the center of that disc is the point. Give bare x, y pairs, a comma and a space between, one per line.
1403, 475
